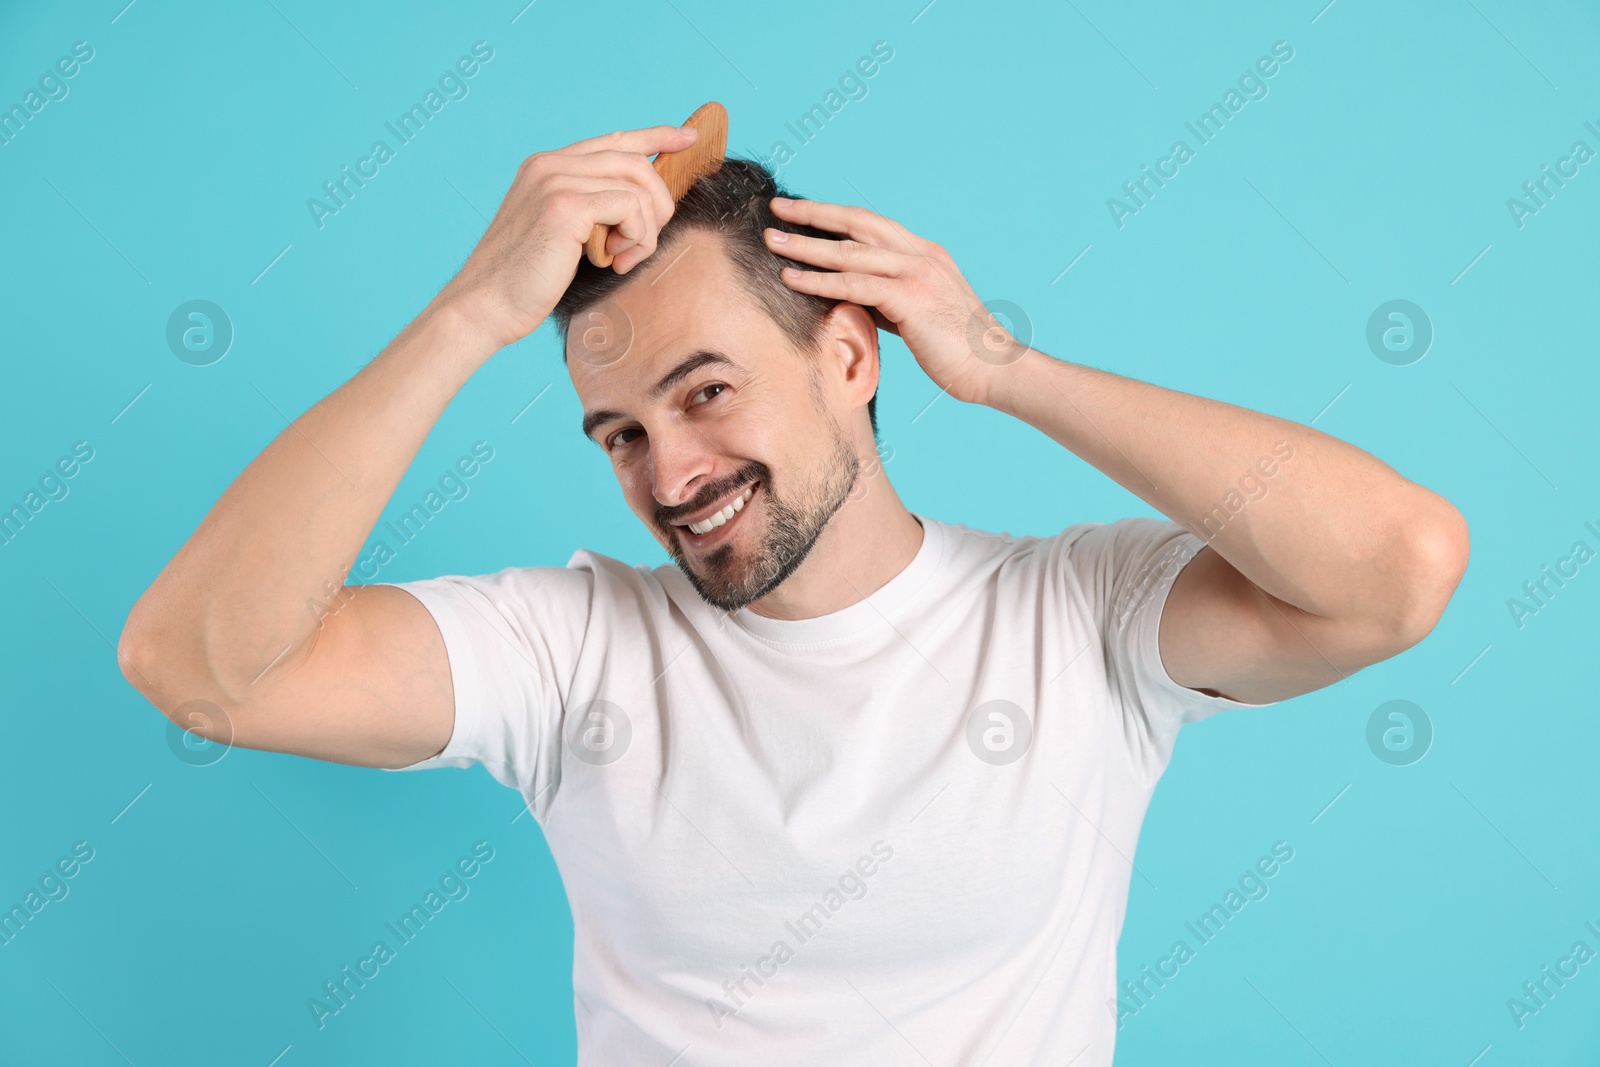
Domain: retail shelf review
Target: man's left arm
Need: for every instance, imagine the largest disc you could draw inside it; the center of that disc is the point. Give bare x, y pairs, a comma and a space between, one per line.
1320, 559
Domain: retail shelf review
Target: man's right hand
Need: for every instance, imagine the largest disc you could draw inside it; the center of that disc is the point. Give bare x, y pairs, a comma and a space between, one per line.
528, 256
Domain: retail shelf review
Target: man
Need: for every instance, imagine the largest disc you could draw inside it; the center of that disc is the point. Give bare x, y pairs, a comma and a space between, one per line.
847, 784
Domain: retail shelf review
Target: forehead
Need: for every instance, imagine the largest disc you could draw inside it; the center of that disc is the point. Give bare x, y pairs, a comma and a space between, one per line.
688, 299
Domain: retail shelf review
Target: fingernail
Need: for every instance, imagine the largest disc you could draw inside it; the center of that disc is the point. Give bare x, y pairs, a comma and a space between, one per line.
778, 236
782, 200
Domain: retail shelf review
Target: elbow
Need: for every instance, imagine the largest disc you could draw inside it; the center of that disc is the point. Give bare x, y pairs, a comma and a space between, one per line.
145, 657
133, 656
1434, 560
131, 650
150, 672
171, 664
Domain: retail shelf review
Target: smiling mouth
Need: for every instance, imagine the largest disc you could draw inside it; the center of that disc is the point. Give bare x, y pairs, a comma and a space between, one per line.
722, 517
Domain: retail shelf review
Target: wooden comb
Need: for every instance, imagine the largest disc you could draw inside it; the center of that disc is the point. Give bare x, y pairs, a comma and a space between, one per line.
679, 170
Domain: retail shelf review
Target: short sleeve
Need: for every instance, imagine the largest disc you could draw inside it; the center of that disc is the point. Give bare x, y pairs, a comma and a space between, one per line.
513, 640
1125, 570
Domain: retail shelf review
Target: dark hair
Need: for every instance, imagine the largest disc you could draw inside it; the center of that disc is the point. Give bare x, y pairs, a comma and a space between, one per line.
733, 202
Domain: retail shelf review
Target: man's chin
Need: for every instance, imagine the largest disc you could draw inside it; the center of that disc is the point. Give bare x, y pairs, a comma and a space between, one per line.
767, 544
707, 570
718, 593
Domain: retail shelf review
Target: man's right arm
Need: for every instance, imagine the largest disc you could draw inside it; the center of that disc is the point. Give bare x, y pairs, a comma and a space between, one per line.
252, 617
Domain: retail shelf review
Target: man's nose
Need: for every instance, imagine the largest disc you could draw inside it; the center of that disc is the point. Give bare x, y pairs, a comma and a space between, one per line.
682, 461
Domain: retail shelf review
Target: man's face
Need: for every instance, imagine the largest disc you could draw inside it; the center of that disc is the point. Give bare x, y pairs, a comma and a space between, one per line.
704, 405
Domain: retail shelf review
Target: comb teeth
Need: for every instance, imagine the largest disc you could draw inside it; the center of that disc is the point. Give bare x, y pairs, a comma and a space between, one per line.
683, 179
680, 170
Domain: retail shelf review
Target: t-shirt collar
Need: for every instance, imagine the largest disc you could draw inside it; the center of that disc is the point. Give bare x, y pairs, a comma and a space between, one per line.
864, 614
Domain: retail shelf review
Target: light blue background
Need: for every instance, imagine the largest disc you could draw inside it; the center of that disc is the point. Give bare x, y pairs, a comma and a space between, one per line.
1378, 168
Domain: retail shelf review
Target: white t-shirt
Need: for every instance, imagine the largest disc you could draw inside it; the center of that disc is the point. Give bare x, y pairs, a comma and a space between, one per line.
900, 833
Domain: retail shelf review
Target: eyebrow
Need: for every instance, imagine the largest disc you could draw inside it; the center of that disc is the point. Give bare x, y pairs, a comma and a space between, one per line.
687, 366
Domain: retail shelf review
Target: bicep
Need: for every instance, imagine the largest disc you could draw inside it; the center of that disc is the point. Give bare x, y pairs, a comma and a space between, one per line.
373, 688
1222, 634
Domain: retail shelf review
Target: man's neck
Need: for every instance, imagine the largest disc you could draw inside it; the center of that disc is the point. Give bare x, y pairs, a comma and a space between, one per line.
869, 540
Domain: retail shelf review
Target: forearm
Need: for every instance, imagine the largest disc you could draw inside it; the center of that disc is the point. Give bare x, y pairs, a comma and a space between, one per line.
249, 589
1310, 519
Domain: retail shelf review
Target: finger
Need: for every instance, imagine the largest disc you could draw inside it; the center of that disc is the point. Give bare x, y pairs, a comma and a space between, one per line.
617, 240
608, 201
857, 223
633, 256
624, 262
620, 206
627, 250
650, 140
628, 245
837, 255
607, 168
620, 238
864, 289
612, 166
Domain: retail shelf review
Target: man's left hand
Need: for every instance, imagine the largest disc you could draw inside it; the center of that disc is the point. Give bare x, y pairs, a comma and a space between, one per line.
911, 286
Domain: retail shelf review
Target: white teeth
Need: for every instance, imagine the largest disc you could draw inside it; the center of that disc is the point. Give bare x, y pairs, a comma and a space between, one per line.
707, 525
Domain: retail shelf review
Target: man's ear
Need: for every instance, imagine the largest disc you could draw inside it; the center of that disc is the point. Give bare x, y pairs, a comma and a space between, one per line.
850, 349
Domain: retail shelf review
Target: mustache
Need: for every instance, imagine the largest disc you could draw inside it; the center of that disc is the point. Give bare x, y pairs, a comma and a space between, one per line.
756, 472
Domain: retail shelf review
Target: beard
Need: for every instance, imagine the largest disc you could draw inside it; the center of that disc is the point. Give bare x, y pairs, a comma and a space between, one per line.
730, 577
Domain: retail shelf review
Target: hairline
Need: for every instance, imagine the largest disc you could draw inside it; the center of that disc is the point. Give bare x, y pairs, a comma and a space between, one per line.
756, 294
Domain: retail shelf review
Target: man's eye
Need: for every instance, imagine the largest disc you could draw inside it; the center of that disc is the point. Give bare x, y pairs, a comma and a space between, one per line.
713, 385
616, 438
